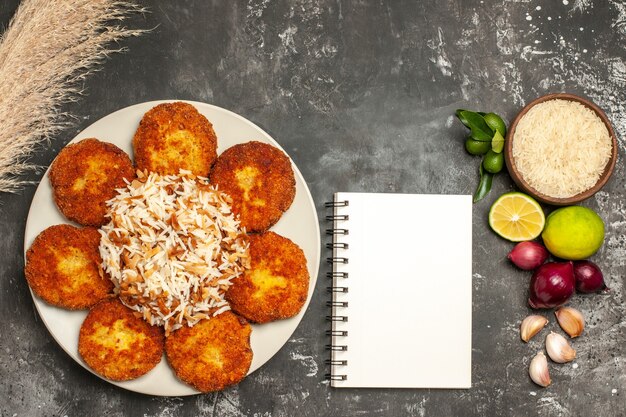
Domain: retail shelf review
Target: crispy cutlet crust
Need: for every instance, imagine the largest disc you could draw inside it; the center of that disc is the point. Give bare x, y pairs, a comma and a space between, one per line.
85, 175
175, 136
213, 354
276, 285
63, 267
260, 180
118, 345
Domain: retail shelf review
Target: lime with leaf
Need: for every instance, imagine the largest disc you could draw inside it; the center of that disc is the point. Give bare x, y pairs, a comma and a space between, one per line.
495, 122
480, 130
493, 162
476, 147
486, 137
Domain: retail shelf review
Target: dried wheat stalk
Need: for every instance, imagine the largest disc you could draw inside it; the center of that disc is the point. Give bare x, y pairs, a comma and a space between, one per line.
49, 47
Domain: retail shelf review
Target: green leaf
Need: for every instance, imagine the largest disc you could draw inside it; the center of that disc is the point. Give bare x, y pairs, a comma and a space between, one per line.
497, 143
484, 185
476, 123
459, 114
480, 136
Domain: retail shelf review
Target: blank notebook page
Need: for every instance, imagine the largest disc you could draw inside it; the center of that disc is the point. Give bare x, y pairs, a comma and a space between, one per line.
409, 291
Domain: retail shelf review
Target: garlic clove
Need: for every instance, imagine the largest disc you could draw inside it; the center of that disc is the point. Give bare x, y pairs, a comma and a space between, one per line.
570, 320
532, 325
538, 370
559, 349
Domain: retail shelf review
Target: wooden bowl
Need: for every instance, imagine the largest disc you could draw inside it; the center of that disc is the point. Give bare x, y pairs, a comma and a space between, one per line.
524, 186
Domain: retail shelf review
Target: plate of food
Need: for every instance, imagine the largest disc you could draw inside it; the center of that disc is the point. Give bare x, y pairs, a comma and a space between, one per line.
172, 248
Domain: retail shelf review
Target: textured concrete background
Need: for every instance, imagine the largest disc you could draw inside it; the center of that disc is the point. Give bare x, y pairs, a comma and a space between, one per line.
361, 95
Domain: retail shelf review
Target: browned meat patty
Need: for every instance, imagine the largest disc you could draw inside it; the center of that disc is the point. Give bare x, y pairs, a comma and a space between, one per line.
260, 180
276, 285
175, 136
63, 267
118, 345
85, 175
213, 354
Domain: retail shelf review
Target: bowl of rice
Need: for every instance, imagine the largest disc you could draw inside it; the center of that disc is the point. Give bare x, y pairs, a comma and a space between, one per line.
561, 149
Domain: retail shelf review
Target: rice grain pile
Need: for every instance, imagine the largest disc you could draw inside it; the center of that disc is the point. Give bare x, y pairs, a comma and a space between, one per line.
561, 148
172, 248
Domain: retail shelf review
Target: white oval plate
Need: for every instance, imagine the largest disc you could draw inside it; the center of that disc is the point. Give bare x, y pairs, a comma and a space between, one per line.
299, 224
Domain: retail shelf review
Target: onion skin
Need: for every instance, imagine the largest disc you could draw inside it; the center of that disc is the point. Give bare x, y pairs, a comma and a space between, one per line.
552, 285
588, 276
528, 255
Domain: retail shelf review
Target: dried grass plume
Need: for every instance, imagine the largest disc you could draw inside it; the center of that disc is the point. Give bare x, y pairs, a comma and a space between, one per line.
49, 47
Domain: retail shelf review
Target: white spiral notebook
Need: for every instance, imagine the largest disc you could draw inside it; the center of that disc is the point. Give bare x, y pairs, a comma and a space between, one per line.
402, 291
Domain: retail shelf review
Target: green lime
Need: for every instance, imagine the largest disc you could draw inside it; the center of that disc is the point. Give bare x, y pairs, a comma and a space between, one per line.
476, 147
495, 122
573, 232
493, 162
497, 143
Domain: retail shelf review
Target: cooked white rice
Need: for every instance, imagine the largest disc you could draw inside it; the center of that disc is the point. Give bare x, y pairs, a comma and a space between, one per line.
172, 248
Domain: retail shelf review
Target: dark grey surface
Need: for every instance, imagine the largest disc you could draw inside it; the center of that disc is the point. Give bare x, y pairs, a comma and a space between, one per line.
361, 95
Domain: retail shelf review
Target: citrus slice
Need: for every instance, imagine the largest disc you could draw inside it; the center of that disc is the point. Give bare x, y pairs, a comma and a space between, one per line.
516, 217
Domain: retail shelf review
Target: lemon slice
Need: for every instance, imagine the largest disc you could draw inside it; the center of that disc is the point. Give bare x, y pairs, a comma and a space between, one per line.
516, 217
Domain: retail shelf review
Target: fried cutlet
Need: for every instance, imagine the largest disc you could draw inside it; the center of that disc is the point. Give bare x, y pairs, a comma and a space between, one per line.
85, 175
118, 345
277, 283
260, 180
213, 354
175, 136
63, 267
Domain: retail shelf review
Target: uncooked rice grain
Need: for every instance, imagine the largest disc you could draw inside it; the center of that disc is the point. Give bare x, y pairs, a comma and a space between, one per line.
561, 148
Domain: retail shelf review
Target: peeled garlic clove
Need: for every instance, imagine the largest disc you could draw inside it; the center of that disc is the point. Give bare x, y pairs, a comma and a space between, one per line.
570, 320
538, 370
531, 326
558, 349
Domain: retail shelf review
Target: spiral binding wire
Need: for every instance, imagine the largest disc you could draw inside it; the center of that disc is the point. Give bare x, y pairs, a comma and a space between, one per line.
335, 276
332, 275
342, 348
337, 245
336, 304
336, 231
337, 217
337, 289
329, 204
337, 260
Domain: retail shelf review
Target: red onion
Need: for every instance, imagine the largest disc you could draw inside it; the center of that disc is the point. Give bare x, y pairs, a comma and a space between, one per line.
528, 255
552, 284
588, 277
